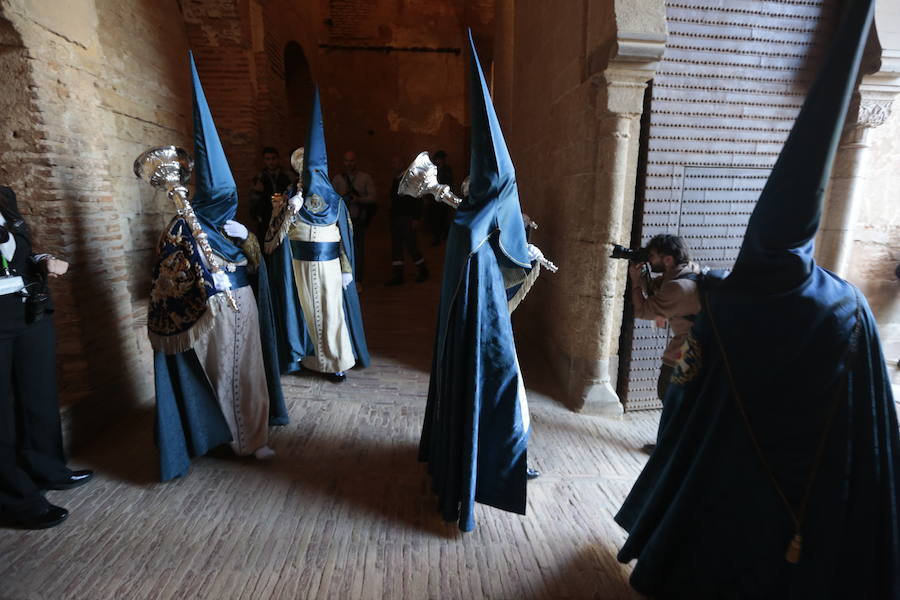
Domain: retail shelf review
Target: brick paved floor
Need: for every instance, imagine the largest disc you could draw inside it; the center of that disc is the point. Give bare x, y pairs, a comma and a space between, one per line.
344, 511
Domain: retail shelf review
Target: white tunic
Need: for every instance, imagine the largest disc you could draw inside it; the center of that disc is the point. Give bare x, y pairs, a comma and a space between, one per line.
321, 298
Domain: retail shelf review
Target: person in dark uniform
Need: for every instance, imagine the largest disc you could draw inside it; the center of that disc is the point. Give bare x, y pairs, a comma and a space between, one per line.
406, 214
31, 448
271, 180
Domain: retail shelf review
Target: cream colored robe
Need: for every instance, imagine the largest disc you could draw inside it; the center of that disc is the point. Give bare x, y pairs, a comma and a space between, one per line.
322, 301
232, 357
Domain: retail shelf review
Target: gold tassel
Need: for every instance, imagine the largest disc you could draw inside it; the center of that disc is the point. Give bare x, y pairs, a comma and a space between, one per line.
793, 550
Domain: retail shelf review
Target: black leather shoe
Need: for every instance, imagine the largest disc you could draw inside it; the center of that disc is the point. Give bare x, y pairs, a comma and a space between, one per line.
532, 473
75, 479
51, 517
648, 448
337, 377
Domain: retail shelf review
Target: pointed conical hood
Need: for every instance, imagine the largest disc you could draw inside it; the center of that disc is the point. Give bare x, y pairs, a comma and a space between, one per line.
777, 252
315, 172
215, 194
492, 177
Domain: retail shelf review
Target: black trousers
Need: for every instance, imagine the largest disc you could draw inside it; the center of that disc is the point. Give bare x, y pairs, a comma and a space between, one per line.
31, 448
403, 237
438, 218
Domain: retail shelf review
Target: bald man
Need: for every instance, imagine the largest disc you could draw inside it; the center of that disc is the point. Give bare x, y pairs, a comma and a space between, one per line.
358, 191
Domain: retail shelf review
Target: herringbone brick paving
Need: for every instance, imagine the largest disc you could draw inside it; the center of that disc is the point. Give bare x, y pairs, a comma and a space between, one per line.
345, 510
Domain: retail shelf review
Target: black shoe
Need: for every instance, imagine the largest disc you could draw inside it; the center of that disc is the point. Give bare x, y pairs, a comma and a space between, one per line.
336, 377
75, 479
422, 273
532, 473
50, 517
648, 448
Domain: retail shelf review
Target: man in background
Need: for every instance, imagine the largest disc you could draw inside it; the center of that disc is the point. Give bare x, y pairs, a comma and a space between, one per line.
358, 191
271, 180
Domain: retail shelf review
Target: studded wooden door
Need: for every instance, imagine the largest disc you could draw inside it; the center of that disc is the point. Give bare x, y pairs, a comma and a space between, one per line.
724, 98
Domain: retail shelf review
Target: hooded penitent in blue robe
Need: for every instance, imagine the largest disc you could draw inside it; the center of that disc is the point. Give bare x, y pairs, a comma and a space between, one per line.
322, 206
782, 400
184, 304
475, 434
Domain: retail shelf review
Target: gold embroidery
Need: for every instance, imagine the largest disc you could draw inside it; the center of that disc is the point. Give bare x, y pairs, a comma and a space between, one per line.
690, 360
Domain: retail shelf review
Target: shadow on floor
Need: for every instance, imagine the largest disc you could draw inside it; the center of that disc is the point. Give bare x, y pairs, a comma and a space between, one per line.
383, 480
589, 574
135, 459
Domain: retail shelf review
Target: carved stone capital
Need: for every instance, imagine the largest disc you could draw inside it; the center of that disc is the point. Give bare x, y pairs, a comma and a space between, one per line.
873, 113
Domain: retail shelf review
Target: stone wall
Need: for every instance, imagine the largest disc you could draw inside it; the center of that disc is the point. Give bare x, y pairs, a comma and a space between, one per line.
876, 249
91, 87
571, 116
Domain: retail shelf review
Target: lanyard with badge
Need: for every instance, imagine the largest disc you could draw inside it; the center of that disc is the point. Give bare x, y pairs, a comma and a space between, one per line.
9, 283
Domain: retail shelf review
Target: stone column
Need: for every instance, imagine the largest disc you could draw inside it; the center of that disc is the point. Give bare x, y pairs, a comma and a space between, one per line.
847, 185
871, 107
621, 87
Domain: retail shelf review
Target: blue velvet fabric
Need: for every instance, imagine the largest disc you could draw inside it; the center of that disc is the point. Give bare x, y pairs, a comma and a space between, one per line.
293, 341
474, 437
215, 197
181, 284
238, 278
315, 251
352, 309
704, 518
268, 337
189, 421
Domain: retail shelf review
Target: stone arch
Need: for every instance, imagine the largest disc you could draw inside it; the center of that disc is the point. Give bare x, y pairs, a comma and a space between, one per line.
298, 81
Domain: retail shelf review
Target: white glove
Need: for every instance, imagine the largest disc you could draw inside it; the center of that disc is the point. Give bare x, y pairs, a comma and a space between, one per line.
346, 279
221, 280
534, 253
296, 203
235, 230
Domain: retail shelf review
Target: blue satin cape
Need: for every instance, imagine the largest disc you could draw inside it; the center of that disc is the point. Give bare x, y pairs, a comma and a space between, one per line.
474, 437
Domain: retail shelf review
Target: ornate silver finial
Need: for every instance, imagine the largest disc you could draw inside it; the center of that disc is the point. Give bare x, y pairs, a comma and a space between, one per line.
169, 168
420, 179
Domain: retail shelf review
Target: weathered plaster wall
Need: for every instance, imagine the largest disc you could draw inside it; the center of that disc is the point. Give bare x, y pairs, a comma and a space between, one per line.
876, 247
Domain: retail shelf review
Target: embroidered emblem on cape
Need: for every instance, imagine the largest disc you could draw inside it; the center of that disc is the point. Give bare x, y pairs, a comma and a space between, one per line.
181, 287
690, 360
315, 204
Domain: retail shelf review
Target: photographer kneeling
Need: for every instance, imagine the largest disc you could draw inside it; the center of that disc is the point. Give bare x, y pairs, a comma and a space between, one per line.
31, 449
672, 298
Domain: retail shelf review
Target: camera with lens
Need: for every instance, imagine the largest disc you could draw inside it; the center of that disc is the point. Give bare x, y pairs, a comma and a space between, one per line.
631, 254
